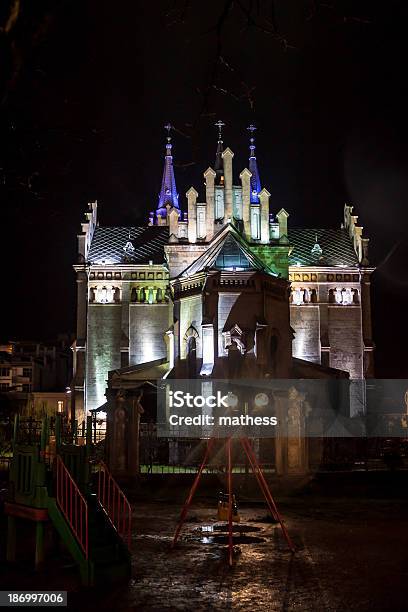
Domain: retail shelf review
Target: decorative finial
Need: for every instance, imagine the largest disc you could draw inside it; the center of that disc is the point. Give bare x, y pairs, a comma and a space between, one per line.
220, 124
168, 127
317, 249
251, 128
129, 248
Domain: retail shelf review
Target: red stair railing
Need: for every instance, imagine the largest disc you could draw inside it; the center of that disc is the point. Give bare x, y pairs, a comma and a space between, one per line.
114, 502
72, 505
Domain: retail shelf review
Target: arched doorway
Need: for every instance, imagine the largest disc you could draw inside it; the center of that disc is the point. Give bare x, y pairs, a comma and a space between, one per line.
191, 357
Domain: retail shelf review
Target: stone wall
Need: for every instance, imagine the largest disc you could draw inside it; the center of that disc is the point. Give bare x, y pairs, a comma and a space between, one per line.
305, 321
345, 338
147, 325
342, 324
103, 350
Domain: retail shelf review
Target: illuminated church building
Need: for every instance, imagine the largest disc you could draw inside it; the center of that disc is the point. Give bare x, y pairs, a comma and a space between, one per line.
226, 289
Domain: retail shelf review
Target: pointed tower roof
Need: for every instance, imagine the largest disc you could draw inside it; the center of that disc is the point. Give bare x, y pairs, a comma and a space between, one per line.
168, 194
253, 167
219, 165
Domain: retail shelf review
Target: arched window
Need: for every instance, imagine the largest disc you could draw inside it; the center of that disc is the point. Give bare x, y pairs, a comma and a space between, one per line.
255, 223
201, 229
219, 203
191, 357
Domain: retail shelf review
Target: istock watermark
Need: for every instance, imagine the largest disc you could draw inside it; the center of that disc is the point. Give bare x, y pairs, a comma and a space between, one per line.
201, 408
179, 399
259, 408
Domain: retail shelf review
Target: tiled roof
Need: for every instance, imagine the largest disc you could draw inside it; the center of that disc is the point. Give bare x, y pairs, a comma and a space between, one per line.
108, 246
337, 248
146, 244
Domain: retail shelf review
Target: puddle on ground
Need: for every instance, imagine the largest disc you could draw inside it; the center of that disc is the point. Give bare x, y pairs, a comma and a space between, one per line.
224, 528
237, 539
218, 534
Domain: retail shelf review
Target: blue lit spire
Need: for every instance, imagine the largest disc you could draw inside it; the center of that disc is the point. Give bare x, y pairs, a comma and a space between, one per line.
253, 167
219, 164
168, 193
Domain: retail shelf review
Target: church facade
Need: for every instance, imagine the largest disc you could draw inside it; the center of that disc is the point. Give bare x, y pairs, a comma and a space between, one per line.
228, 288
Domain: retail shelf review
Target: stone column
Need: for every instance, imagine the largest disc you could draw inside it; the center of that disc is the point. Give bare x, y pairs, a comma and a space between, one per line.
367, 325
323, 291
209, 176
82, 296
124, 340
297, 460
118, 437
227, 157
78, 399
264, 211
291, 456
133, 434
245, 177
192, 214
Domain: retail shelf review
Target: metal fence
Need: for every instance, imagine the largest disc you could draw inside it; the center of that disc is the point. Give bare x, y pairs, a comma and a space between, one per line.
193, 469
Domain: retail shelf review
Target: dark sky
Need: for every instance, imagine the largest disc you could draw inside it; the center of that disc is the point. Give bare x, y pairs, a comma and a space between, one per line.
87, 85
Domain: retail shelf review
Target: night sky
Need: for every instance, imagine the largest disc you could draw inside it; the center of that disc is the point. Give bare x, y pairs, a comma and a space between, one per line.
86, 87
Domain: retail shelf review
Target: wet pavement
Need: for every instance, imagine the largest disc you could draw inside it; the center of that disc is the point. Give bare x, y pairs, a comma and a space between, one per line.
351, 556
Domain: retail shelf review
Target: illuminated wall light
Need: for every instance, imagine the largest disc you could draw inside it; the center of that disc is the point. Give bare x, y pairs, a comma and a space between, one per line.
261, 400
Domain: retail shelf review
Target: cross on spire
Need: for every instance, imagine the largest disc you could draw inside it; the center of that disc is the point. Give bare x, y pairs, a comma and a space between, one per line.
253, 167
168, 127
251, 129
220, 124
219, 165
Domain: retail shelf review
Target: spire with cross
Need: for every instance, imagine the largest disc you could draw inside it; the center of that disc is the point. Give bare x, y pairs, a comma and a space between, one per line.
253, 166
219, 166
168, 194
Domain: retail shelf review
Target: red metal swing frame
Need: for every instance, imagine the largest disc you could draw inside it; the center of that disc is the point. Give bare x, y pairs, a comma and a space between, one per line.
263, 485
